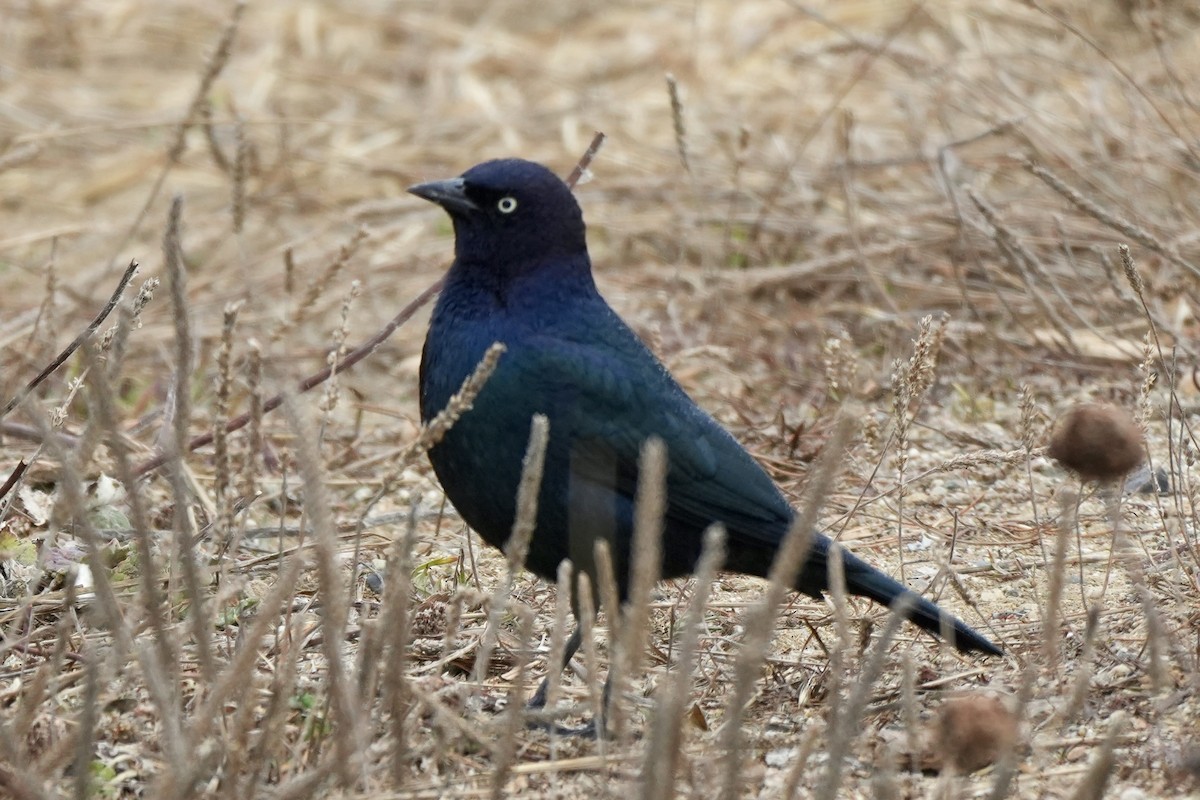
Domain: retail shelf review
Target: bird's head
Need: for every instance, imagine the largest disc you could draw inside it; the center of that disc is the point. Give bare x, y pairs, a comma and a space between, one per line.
509, 212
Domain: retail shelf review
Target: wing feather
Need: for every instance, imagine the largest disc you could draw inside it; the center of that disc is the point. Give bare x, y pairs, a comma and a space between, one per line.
609, 413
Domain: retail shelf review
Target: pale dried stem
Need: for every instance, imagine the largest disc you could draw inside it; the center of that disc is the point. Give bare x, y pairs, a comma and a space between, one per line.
332, 394
649, 515
678, 123
1107, 217
154, 599
176, 433
510, 726
591, 659
558, 638
839, 655
908, 709
37, 689
86, 726
1085, 667
269, 748
1157, 649
1028, 439
159, 683
848, 717
21, 154
129, 319
239, 175
395, 623
1054, 589
663, 751
231, 687
1135, 282
1100, 769
317, 288
222, 468
1006, 767
1025, 264
248, 480
760, 622
610, 599
812, 735
517, 546
350, 742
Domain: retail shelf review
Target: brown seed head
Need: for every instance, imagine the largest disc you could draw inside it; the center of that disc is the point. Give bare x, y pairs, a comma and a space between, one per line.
1098, 441
974, 731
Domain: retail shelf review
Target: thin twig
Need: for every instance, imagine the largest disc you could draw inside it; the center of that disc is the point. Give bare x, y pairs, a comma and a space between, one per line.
585, 160
316, 379
13, 478
74, 345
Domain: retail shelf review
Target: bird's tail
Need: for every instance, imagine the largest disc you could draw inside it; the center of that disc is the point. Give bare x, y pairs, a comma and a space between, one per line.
865, 581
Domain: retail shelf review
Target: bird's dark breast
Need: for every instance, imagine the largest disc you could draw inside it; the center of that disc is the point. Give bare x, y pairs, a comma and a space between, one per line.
479, 460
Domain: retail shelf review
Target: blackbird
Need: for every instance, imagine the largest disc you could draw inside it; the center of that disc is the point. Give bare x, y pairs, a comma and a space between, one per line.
522, 276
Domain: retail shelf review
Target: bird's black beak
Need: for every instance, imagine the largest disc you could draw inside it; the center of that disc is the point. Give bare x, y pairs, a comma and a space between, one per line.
449, 194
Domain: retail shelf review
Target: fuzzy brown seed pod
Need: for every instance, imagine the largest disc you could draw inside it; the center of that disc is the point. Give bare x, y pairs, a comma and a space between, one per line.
974, 731
1098, 441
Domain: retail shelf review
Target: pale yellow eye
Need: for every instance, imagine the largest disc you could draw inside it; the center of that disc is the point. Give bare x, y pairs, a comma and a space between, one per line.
507, 205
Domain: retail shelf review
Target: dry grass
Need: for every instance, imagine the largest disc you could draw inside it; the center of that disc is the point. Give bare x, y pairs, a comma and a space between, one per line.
777, 218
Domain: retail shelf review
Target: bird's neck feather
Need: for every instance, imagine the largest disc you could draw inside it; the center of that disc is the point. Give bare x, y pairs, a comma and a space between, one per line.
530, 281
